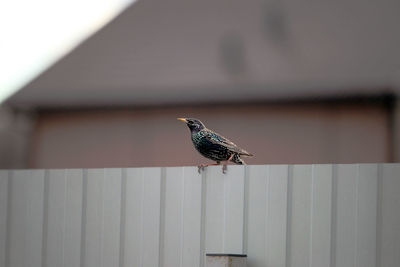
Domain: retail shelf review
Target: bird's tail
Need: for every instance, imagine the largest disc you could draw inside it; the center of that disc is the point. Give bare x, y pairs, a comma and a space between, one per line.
236, 159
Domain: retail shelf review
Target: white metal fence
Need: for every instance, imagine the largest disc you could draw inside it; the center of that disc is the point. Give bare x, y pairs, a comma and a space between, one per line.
280, 215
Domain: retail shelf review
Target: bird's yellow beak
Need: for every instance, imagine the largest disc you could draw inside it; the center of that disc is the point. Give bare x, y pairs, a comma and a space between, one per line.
182, 119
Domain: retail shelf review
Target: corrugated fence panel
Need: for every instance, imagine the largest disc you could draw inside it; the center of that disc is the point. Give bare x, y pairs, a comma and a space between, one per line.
267, 215
56, 218
103, 217
3, 215
321, 210
174, 207
73, 218
142, 226
224, 210
151, 217
25, 224
215, 210
62, 218
94, 239
234, 208
389, 242
182, 217
279, 215
111, 217
367, 199
346, 215
300, 223
134, 218
257, 215
191, 239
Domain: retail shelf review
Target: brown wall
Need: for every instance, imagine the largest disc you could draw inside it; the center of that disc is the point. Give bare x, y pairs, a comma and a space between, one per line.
339, 133
15, 137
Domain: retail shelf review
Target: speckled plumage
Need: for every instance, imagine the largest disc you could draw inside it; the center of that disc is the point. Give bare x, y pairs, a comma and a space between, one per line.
212, 145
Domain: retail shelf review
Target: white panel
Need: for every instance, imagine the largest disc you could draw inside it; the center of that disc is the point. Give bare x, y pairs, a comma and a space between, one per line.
64, 218
277, 216
346, 212
257, 215
142, 226
94, 240
301, 216
267, 215
111, 217
366, 215
224, 212
321, 215
234, 202
215, 210
34, 223
3, 215
390, 228
151, 216
26, 222
133, 255
183, 217
56, 218
174, 225
17, 226
360, 198
103, 217
73, 218
191, 218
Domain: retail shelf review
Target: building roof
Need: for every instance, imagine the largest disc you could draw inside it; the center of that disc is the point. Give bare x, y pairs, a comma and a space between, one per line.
168, 52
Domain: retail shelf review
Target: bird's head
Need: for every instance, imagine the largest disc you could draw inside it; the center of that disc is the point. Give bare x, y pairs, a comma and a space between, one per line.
193, 124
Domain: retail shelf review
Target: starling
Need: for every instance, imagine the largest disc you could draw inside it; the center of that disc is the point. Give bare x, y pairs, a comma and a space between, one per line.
212, 145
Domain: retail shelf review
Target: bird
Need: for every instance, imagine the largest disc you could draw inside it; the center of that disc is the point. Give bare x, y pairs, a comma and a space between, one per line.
213, 145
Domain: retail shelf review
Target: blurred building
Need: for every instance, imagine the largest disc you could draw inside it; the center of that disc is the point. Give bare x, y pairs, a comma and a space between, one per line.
290, 81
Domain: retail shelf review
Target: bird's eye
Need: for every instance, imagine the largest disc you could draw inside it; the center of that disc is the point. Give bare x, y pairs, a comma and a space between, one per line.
190, 122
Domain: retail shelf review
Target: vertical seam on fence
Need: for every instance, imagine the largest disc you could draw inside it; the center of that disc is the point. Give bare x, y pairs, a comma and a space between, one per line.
45, 217
356, 219
289, 215
379, 216
64, 218
266, 217
83, 217
122, 218
333, 214
311, 215
142, 220
203, 217
102, 218
286, 218
226, 206
182, 218
8, 220
162, 217
245, 209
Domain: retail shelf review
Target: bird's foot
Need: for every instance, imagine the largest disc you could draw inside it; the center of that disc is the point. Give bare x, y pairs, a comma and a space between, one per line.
201, 167
224, 168
225, 165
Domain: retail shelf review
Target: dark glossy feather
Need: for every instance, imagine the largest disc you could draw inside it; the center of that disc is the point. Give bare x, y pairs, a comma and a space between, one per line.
219, 139
213, 145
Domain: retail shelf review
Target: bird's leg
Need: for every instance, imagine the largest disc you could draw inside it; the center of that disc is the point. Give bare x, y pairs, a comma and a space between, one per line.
199, 168
224, 168
225, 165
202, 166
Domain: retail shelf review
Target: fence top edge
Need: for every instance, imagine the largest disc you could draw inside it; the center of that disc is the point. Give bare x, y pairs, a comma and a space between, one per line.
189, 167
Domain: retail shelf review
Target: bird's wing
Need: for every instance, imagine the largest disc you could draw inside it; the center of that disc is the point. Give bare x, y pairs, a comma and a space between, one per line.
219, 139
